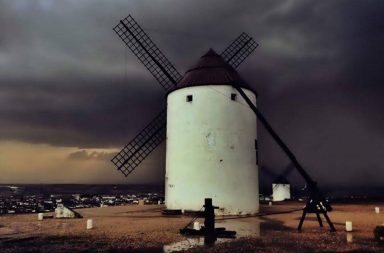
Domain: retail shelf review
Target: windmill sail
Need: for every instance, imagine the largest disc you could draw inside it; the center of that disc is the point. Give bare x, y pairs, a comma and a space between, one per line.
141, 146
147, 52
239, 50
165, 73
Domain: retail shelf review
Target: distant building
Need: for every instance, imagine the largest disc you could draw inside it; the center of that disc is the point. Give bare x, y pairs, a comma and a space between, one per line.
65, 212
16, 189
281, 190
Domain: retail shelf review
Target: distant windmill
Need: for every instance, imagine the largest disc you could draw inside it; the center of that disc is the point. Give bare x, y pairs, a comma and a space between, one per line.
280, 185
281, 188
211, 135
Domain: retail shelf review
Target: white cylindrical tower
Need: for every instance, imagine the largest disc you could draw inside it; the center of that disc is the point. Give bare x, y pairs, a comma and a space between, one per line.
211, 141
281, 191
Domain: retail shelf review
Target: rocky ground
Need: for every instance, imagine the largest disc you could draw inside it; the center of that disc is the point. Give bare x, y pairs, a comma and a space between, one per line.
145, 229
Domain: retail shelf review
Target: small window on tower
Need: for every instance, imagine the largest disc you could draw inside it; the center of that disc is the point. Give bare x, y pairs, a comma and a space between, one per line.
233, 96
256, 144
189, 98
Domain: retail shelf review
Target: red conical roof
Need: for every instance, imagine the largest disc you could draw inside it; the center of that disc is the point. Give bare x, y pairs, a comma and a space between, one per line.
211, 69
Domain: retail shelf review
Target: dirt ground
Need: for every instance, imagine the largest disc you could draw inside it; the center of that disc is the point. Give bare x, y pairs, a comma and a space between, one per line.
145, 229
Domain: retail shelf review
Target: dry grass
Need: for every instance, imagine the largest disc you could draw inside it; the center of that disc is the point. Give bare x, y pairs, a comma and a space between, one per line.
144, 229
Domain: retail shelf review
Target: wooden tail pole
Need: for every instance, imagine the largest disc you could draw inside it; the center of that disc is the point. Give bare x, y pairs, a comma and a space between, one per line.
316, 202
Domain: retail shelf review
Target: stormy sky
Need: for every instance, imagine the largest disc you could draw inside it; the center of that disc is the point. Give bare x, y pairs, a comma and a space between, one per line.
72, 94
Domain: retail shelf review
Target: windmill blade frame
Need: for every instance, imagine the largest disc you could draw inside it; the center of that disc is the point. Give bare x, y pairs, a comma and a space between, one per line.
142, 145
147, 52
239, 50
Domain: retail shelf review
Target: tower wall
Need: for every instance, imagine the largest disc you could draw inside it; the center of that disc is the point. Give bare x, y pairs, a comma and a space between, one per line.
210, 150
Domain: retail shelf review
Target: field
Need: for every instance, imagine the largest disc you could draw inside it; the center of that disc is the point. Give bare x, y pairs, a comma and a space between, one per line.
145, 229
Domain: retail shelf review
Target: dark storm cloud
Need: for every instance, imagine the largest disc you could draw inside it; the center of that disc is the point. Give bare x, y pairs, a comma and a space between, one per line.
327, 99
93, 113
67, 80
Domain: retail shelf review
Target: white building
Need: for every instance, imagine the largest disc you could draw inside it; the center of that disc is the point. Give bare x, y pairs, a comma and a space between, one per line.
281, 190
64, 212
211, 141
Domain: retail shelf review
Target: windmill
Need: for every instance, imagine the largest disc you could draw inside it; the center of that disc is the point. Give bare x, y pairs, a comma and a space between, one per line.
281, 188
211, 136
189, 178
